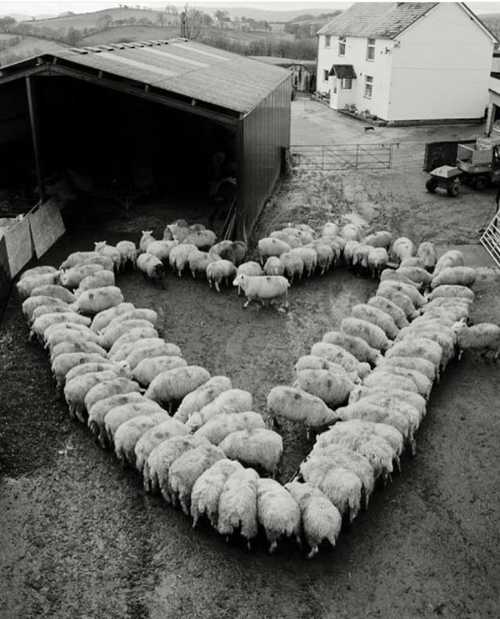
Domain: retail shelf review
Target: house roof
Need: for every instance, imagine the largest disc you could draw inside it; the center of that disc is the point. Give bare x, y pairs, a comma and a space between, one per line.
386, 20
284, 62
180, 67
343, 71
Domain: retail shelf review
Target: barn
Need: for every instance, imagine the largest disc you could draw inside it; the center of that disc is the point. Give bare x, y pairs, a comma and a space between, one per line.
167, 119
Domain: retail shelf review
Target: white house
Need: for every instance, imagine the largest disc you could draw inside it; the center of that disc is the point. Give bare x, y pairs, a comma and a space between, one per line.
407, 61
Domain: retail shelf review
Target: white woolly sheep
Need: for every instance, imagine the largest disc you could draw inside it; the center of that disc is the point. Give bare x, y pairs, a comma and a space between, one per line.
147, 349
330, 229
103, 318
92, 302
102, 248
427, 253
220, 272
153, 437
381, 239
378, 317
350, 232
238, 505
217, 428
410, 291
414, 261
120, 414
136, 334
27, 286
36, 271
96, 366
451, 258
263, 288
249, 268
121, 352
32, 303
321, 520
379, 393
325, 255
54, 291
377, 260
360, 257
461, 276
343, 488
76, 389
78, 258
100, 409
450, 290
402, 300
72, 277
76, 346
151, 267
232, 401
128, 434
398, 401
411, 363
201, 396
202, 239
368, 411
402, 248
43, 310
298, 405
41, 324
68, 332
128, 254
338, 354
63, 363
177, 230
332, 388
146, 238
198, 262
148, 369
161, 249
277, 512
179, 257
274, 266
443, 335
117, 327
97, 280
371, 333
349, 250
256, 447
417, 347
396, 276
416, 274
311, 362
309, 257
271, 247
108, 388
173, 385
390, 308
483, 336
136, 313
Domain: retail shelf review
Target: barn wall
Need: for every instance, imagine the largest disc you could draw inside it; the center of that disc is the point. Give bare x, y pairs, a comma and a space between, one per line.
265, 133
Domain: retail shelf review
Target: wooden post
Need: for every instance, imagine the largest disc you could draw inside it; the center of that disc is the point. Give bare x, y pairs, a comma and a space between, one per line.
35, 137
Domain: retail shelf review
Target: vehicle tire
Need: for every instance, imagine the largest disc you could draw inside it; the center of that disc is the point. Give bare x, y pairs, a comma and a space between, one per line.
453, 189
481, 182
431, 185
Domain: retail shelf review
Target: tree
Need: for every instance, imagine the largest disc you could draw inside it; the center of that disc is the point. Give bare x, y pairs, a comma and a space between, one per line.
222, 17
104, 21
73, 36
6, 23
192, 21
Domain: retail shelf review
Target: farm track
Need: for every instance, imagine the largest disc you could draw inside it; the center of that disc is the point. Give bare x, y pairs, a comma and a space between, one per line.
80, 538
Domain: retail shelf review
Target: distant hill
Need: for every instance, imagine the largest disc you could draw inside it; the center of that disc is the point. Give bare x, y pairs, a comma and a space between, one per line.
27, 47
492, 21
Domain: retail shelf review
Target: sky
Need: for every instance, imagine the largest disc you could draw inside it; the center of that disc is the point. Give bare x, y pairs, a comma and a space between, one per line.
54, 7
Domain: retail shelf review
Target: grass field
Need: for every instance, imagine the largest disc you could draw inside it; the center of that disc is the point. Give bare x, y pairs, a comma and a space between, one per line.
28, 46
130, 33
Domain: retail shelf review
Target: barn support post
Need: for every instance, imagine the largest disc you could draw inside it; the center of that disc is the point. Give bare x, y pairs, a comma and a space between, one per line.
35, 136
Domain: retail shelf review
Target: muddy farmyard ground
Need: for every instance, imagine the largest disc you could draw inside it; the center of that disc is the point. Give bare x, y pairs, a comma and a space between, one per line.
80, 538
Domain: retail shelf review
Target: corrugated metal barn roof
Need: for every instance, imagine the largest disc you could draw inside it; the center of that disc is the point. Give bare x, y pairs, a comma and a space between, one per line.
284, 62
185, 68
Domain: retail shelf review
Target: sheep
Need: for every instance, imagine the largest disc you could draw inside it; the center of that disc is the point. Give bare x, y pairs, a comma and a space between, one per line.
400, 299
149, 349
427, 253
238, 505
63, 363
202, 239
402, 248
178, 257
349, 251
47, 320
42, 310
220, 426
222, 250
161, 249
128, 434
453, 291
417, 347
97, 280
390, 308
310, 362
343, 488
298, 405
102, 319
274, 266
332, 388
80, 258
411, 363
102, 248
368, 411
76, 389
116, 328
201, 396
186, 469
330, 229
151, 267
439, 333
98, 412
397, 378
76, 346
136, 313
373, 335
360, 257
32, 303
257, 447
277, 512
68, 332
291, 238
153, 437
377, 260
325, 256
239, 252
263, 288
321, 520
462, 276
72, 277
146, 238
483, 336
451, 258
198, 262
133, 333
207, 489
173, 385
414, 261
220, 272
337, 354
357, 346
249, 268
271, 247
446, 311
120, 414
148, 369
95, 366
416, 274
386, 395
36, 271
378, 317
54, 291
380, 240
350, 232
177, 230
336, 244
417, 299
27, 286
92, 302
232, 401
128, 254
108, 388
396, 276
309, 257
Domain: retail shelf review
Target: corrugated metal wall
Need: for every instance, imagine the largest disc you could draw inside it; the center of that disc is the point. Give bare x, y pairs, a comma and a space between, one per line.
264, 133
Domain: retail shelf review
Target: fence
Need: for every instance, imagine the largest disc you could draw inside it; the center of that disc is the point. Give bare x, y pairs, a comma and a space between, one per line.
490, 239
344, 156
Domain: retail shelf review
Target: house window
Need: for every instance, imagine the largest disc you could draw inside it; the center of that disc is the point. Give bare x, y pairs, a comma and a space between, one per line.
370, 50
341, 46
328, 40
326, 74
368, 86
346, 83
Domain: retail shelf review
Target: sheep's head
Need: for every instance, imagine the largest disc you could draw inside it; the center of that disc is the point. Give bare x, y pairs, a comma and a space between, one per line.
146, 233
99, 245
459, 326
239, 280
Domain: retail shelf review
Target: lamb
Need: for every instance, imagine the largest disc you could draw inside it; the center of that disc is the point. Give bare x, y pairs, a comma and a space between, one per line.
32, 303
411, 363
232, 401
402, 248
324, 256
462, 276
451, 291
377, 317
148, 369
377, 260
173, 385
128, 254
298, 405
78, 346
309, 257
220, 426
92, 302
371, 333
337, 354
120, 414
72, 277
100, 279
102, 319
116, 328
65, 362
54, 291
146, 238
151, 267
76, 389
238, 505
427, 253
149, 349
277, 512
179, 257
129, 433
330, 229
263, 288
321, 520
417, 299
332, 388
416, 274
27, 286
153, 437
257, 447
198, 262
79, 258
201, 396
220, 272
249, 268
100, 409
207, 490
350, 232
380, 240
186, 469
177, 230
102, 248
399, 298
42, 323
451, 258
108, 388
394, 311
274, 266
484, 337
417, 347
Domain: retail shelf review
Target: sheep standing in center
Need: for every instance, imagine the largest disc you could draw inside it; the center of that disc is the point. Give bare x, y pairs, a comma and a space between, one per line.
263, 288
259, 447
220, 272
298, 405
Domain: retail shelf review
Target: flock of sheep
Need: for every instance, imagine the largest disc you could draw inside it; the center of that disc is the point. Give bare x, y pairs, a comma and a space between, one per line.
197, 440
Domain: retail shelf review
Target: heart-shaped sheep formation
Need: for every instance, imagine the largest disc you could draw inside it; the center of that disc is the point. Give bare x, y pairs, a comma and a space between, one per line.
193, 457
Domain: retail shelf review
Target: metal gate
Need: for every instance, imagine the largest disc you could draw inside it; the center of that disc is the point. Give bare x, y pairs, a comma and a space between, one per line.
490, 239
344, 156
